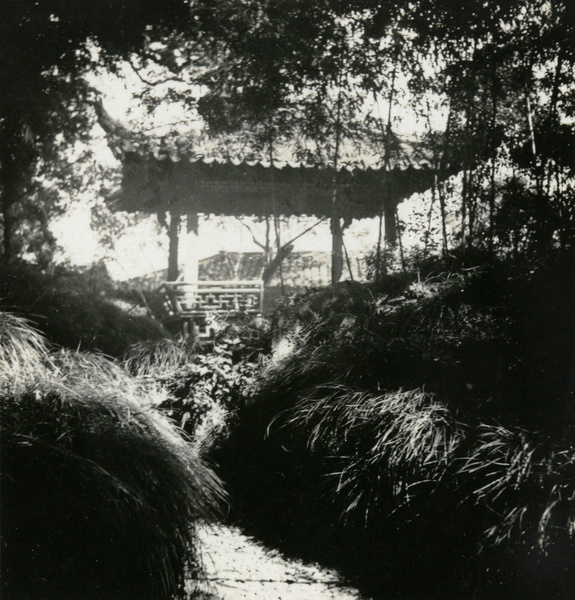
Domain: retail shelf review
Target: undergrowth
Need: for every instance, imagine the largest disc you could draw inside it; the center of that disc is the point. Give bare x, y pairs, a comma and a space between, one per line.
419, 436
203, 384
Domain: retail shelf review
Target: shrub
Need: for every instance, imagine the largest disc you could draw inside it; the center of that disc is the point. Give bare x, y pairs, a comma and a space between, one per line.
413, 438
71, 313
204, 384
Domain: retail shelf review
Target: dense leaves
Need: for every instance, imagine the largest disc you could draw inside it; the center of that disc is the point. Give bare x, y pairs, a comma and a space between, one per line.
45, 49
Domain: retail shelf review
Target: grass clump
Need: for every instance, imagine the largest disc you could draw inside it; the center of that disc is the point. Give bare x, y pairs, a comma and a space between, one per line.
407, 437
23, 352
100, 493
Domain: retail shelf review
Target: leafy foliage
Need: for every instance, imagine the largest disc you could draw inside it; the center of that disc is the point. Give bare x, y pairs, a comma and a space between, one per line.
46, 49
497, 75
203, 385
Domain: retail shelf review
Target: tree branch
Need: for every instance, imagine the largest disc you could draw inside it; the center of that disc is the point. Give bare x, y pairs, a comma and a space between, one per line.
137, 71
254, 239
313, 226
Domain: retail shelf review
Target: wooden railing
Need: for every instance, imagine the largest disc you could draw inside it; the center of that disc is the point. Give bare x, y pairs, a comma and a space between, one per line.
180, 301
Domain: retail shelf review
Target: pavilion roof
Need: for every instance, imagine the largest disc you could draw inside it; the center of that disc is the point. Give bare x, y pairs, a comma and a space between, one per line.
228, 177
235, 188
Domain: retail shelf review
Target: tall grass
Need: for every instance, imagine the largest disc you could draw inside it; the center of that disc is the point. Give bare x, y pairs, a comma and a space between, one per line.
100, 493
406, 437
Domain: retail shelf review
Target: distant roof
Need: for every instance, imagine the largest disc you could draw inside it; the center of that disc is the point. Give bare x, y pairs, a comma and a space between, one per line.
298, 270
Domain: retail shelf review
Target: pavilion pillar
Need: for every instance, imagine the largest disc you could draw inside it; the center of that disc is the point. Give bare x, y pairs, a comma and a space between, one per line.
336, 249
390, 217
336, 238
173, 235
190, 248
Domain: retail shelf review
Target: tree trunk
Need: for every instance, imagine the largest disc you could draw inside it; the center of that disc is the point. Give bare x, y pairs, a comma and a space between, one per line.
275, 264
9, 199
7, 226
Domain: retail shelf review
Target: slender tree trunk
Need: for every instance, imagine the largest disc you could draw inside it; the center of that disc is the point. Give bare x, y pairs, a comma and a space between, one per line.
492, 191
390, 223
401, 255
464, 193
440, 169
336, 242
276, 218
430, 215
556, 83
348, 262
335, 223
542, 230
9, 200
378, 263
388, 210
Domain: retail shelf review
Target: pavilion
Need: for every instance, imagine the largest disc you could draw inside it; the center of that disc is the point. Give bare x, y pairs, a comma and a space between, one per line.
179, 186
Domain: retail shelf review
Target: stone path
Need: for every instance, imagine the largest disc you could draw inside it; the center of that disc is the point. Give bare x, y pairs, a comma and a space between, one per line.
238, 568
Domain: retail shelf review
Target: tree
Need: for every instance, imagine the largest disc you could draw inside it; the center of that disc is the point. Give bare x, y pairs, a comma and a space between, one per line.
46, 46
503, 67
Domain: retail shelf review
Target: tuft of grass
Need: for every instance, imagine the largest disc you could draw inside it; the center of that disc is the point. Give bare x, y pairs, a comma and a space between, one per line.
159, 359
528, 483
100, 492
23, 352
407, 438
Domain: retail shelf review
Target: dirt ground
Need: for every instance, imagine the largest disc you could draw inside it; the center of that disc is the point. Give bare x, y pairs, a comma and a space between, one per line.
238, 568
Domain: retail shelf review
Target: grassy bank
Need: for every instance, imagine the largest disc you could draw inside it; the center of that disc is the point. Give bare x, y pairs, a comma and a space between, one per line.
100, 493
420, 435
